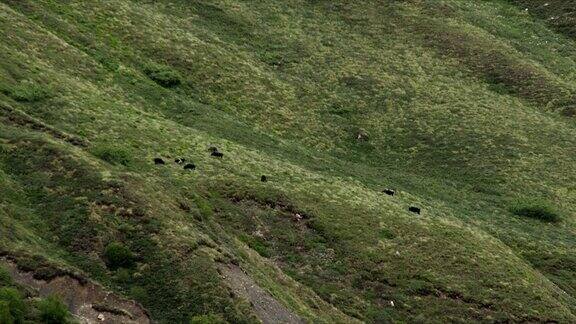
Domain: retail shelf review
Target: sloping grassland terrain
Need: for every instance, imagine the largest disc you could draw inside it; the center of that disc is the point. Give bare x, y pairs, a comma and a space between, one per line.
466, 108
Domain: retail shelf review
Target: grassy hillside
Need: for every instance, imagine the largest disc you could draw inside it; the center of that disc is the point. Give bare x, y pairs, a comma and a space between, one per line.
466, 108
559, 14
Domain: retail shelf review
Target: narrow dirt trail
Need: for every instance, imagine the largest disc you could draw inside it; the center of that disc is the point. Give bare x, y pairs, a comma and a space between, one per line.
267, 308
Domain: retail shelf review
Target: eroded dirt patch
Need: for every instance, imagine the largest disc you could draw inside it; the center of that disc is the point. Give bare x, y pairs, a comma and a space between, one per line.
87, 301
266, 307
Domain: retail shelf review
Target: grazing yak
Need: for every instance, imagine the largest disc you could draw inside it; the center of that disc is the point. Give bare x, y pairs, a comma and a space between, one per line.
180, 160
217, 154
389, 192
158, 161
190, 166
263, 178
414, 209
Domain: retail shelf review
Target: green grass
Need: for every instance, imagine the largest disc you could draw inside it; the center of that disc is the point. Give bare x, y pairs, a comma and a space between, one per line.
27, 92
464, 106
113, 155
536, 210
163, 75
558, 13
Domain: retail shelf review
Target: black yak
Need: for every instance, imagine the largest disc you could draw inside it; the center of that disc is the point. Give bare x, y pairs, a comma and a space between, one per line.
217, 154
389, 192
414, 209
158, 161
190, 166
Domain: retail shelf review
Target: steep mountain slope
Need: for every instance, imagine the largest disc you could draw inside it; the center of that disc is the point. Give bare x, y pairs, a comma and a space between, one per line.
466, 108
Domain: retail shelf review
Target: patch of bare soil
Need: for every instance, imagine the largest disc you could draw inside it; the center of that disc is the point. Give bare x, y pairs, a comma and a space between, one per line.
266, 307
87, 301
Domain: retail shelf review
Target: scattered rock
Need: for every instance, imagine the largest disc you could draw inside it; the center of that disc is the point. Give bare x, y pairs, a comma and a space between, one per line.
362, 136
258, 233
297, 217
184, 206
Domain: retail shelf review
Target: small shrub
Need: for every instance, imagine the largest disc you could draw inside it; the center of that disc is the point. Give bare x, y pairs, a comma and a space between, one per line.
5, 278
16, 306
28, 92
163, 75
5, 315
53, 311
46, 273
118, 256
139, 293
537, 210
29, 263
387, 234
206, 211
207, 319
112, 155
257, 245
123, 276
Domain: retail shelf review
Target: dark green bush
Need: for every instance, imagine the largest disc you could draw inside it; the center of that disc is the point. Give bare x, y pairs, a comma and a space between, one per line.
163, 75
257, 245
118, 256
537, 210
123, 275
139, 293
15, 304
5, 315
112, 155
5, 278
53, 311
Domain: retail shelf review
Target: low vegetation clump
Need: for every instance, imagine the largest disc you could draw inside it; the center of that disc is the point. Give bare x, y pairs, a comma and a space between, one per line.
163, 75
28, 92
5, 315
536, 210
118, 256
113, 155
12, 306
53, 311
207, 319
5, 278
